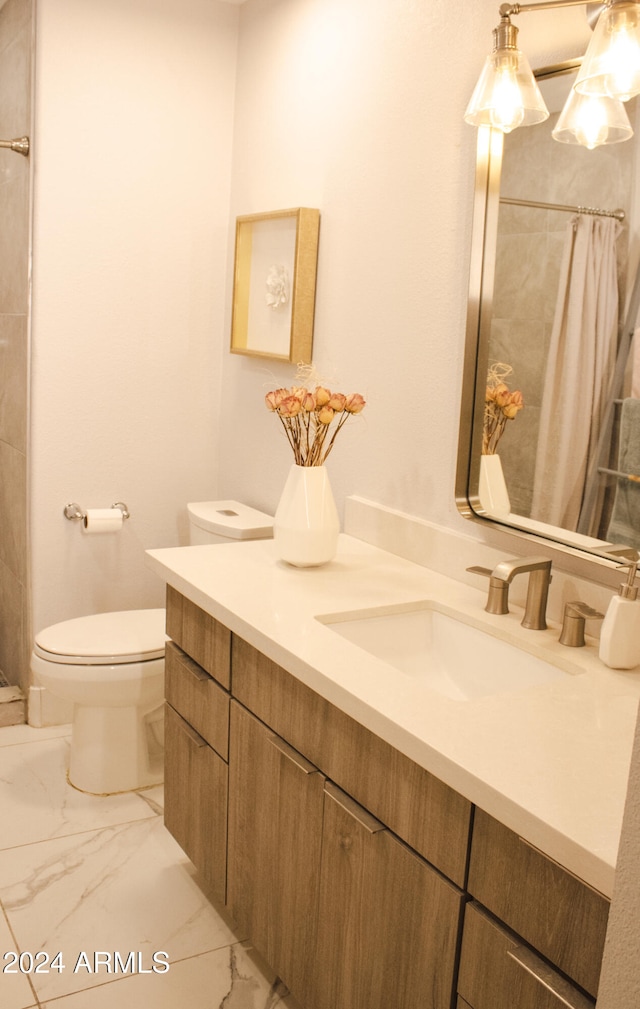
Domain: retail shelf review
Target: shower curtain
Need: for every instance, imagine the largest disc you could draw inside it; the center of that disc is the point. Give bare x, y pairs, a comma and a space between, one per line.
580, 366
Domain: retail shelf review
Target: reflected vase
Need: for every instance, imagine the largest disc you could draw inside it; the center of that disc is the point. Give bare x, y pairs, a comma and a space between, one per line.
493, 493
306, 524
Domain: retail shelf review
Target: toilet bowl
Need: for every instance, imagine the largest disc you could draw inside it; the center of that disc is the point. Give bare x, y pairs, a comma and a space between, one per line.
111, 667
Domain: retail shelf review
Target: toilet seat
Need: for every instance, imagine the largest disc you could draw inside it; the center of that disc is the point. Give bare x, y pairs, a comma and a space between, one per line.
103, 639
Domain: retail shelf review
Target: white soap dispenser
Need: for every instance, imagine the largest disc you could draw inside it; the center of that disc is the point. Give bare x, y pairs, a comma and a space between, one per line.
620, 636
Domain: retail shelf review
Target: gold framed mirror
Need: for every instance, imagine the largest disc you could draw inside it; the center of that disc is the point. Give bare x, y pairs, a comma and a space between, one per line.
532, 194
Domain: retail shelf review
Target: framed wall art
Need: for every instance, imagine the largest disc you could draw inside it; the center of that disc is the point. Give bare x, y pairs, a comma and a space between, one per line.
274, 284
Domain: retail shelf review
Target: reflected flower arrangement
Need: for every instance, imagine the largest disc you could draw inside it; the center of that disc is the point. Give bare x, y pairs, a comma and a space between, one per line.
500, 406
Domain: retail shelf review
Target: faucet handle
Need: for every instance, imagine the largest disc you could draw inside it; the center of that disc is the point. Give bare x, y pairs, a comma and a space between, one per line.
498, 598
575, 615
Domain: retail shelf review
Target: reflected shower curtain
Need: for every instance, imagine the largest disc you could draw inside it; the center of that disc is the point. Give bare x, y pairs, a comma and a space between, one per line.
580, 365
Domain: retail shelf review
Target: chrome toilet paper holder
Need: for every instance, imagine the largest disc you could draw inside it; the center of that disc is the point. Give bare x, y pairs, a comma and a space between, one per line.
75, 513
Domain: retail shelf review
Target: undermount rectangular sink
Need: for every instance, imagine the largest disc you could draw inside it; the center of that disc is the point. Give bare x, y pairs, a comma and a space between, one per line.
444, 651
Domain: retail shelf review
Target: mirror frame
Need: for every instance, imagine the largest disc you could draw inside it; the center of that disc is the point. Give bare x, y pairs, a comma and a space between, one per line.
476, 353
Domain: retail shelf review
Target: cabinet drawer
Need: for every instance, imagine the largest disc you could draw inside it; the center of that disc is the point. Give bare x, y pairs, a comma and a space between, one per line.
275, 833
497, 972
199, 635
196, 787
198, 698
553, 910
427, 814
388, 922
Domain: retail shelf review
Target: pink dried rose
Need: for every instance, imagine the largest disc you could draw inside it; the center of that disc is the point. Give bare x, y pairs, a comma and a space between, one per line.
308, 419
337, 401
326, 415
289, 407
322, 395
355, 403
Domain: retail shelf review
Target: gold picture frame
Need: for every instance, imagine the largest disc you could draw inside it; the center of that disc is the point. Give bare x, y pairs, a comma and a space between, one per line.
274, 284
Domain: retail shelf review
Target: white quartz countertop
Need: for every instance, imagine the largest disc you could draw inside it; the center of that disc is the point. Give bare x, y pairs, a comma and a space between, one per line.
550, 761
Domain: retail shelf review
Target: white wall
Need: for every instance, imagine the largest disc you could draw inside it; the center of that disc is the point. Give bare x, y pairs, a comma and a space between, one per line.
356, 108
132, 151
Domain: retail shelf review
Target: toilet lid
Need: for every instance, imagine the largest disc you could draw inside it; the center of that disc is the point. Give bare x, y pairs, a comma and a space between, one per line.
105, 638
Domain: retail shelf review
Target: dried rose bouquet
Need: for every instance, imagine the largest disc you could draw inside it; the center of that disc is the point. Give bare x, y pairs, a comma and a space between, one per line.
500, 406
311, 420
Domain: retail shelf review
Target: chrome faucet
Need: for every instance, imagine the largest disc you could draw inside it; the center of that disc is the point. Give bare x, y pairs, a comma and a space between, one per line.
500, 578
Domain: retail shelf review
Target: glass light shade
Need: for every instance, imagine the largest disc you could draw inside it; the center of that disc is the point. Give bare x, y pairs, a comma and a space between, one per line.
611, 65
592, 120
506, 95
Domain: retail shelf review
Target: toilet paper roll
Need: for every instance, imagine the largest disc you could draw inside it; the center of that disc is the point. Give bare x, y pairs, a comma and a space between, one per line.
102, 520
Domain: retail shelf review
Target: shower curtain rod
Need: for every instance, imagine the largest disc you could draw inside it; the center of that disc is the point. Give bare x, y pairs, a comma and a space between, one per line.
20, 146
616, 472
618, 214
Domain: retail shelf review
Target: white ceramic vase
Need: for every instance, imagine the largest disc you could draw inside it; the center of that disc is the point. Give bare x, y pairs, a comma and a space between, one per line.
306, 524
493, 493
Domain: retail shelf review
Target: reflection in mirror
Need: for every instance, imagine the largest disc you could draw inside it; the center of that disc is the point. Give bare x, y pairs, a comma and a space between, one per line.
558, 428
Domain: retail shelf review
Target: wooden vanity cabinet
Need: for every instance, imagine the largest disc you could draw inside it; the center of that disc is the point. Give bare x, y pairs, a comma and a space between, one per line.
200, 636
353, 871
499, 971
419, 808
388, 923
197, 742
344, 912
195, 786
340, 906
554, 912
275, 833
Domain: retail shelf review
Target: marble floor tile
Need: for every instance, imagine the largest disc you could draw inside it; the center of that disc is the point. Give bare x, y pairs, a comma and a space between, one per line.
229, 978
38, 803
15, 990
10, 734
120, 889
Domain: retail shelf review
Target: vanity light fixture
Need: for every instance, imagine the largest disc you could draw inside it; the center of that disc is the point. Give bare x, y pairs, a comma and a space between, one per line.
592, 120
507, 96
611, 65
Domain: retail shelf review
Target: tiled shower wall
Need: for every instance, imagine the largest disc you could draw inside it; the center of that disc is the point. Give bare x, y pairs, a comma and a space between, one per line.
529, 253
16, 19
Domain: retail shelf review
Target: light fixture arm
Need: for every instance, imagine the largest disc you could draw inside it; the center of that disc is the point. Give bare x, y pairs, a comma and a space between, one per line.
506, 10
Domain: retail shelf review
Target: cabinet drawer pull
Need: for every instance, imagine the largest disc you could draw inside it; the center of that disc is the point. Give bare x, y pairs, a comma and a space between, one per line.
296, 758
563, 990
191, 734
350, 806
197, 672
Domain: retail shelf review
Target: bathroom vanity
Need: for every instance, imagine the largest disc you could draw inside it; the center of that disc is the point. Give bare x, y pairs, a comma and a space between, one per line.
378, 842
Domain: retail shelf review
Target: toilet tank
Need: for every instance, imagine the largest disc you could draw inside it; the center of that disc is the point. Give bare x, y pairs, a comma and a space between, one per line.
226, 522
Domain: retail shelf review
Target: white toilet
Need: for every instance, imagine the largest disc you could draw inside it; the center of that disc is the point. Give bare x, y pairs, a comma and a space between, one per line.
111, 667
